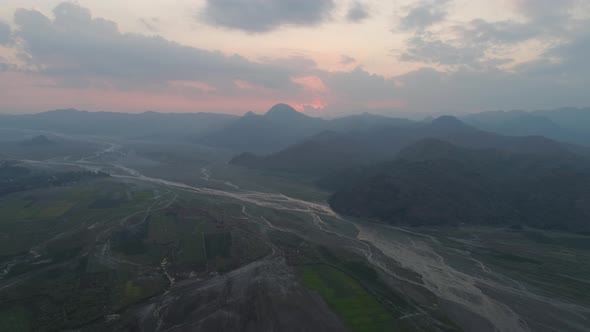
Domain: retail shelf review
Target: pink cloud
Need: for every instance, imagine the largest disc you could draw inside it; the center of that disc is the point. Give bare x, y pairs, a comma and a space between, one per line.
23, 93
196, 85
311, 83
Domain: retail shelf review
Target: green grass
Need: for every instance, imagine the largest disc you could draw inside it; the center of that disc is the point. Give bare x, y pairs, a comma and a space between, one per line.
578, 242
133, 292
15, 319
56, 209
162, 228
105, 203
192, 249
218, 244
359, 309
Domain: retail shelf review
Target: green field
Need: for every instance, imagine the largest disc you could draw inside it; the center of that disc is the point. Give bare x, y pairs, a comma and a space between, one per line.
358, 308
99, 247
192, 249
15, 319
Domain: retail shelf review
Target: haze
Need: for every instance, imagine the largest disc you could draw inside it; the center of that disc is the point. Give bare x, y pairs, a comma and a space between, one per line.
326, 58
295, 165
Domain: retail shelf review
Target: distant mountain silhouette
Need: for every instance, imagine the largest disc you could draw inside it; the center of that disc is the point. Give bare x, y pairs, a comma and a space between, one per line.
567, 124
283, 126
333, 151
280, 126
284, 112
39, 141
148, 125
437, 183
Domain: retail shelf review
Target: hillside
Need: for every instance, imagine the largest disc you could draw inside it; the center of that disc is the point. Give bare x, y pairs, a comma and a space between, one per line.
40, 140
437, 183
333, 151
280, 126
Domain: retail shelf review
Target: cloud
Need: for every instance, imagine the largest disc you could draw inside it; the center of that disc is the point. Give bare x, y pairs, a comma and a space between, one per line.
424, 14
150, 23
479, 43
5, 34
545, 9
480, 31
297, 63
474, 69
475, 43
4, 67
75, 47
428, 49
468, 90
347, 60
75, 59
568, 59
358, 85
265, 15
357, 12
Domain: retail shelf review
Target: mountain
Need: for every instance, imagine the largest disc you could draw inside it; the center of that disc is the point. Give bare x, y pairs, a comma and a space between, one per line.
333, 151
148, 125
433, 182
283, 126
367, 121
567, 124
574, 121
320, 154
280, 126
40, 140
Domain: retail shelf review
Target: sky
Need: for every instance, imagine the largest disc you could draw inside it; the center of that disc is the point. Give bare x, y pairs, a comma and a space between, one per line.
324, 57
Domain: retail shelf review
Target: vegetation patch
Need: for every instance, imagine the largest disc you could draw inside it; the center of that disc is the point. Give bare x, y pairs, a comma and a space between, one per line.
105, 203
192, 249
15, 319
56, 209
359, 309
218, 245
162, 229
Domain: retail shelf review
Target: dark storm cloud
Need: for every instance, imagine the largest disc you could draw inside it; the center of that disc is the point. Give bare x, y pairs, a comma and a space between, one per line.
74, 45
5, 34
265, 15
357, 12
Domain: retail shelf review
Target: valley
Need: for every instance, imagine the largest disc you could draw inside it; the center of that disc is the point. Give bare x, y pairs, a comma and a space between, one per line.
220, 249
294, 166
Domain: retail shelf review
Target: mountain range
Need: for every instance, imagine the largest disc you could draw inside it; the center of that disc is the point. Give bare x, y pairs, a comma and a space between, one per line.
567, 124
283, 126
148, 125
332, 151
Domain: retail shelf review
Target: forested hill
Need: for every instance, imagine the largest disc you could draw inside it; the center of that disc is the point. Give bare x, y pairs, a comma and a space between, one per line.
436, 183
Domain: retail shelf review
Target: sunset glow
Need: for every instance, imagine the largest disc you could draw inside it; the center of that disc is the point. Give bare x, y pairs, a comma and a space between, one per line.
420, 56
